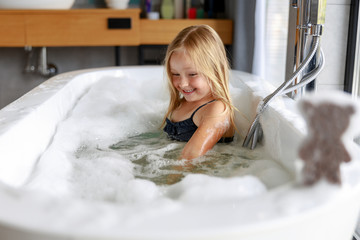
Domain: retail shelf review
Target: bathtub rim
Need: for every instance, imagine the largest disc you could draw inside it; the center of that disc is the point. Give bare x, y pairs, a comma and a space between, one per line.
230, 232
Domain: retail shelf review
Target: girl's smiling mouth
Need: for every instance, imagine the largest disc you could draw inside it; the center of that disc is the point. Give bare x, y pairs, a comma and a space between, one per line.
188, 91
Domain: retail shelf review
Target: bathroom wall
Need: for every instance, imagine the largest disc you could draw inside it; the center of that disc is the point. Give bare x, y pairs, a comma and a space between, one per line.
14, 82
334, 43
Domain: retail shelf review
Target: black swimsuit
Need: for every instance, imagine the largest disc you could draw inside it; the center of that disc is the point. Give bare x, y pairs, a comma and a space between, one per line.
183, 130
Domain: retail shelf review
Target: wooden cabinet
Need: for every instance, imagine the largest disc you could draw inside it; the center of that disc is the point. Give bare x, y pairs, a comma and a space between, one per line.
12, 29
94, 27
78, 27
83, 28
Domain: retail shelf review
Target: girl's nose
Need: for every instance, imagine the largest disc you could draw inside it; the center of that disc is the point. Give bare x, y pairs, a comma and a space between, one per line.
184, 82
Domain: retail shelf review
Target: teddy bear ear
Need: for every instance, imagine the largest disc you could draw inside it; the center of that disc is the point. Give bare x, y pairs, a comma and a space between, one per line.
306, 106
350, 110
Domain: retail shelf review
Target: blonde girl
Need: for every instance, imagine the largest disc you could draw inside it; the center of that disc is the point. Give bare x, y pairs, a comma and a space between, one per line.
200, 111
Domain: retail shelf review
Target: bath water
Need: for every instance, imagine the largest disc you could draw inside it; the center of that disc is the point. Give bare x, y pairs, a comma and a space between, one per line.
110, 148
155, 158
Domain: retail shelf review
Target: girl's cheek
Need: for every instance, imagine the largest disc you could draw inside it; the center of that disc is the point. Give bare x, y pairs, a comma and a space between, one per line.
175, 81
175, 84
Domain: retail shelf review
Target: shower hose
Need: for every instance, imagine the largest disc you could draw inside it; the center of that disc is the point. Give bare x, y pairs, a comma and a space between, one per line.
255, 131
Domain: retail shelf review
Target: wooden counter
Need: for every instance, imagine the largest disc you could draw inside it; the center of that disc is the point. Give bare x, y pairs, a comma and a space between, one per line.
78, 27
94, 27
12, 30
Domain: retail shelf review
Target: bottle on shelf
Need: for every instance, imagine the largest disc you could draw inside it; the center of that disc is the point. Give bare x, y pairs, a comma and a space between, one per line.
167, 9
179, 9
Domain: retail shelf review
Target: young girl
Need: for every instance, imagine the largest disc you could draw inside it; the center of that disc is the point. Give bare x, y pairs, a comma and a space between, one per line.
200, 110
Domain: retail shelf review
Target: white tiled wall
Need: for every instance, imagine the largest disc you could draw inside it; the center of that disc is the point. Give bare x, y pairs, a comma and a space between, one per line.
334, 43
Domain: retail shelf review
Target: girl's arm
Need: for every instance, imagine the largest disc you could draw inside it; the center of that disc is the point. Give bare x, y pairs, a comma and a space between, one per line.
213, 125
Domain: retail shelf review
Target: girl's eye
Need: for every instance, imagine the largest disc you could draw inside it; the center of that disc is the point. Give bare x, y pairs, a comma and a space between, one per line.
175, 74
193, 74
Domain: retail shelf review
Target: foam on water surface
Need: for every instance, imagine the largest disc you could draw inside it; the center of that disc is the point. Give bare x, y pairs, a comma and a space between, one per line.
110, 148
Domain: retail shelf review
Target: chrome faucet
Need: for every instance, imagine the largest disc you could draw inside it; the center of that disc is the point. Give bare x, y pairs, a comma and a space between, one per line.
306, 20
43, 68
309, 59
30, 66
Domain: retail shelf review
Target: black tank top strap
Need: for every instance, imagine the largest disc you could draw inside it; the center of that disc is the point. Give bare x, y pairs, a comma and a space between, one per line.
192, 115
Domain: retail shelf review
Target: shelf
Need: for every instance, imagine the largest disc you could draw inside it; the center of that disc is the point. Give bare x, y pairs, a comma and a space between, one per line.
12, 29
68, 27
89, 27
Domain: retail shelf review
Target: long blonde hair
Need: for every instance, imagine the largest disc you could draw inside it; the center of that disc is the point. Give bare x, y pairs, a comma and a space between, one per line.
206, 50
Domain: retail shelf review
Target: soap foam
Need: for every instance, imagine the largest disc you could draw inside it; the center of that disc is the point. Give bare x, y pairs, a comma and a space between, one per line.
110, 148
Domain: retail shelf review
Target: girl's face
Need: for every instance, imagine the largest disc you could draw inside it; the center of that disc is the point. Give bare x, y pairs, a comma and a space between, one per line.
185, 78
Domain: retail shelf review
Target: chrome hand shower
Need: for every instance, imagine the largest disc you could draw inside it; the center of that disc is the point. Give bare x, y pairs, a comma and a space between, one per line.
311, 17
255, 131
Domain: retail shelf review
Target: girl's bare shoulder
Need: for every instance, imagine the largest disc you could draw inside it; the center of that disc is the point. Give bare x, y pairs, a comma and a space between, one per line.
214, 108
214, 111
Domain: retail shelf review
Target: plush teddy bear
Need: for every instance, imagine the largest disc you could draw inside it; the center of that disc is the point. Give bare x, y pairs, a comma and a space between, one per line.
323, 150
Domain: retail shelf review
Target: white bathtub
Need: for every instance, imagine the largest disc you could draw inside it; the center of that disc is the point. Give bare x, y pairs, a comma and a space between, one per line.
27, 127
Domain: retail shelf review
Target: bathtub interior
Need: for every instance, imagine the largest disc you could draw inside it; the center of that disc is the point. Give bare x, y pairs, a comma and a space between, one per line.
39, 113
36, 115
